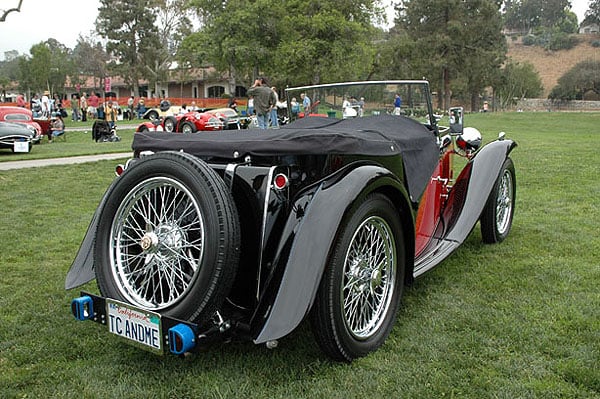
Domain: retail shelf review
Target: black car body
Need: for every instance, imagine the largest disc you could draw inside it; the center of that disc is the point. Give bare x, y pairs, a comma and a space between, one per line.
246, 233
13, 134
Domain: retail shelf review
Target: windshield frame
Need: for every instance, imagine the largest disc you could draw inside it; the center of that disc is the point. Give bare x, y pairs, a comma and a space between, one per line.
423, 84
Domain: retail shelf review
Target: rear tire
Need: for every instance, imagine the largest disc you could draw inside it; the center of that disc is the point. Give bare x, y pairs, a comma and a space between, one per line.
359, 295
497, 216
168, 238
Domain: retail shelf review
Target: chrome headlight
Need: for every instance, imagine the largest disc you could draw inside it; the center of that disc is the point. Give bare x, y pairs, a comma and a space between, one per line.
469, 140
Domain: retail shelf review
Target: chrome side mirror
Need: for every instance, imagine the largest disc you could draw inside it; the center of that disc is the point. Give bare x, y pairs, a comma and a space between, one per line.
456, 120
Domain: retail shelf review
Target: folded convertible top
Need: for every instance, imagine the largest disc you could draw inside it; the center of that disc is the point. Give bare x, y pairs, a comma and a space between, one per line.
382, 135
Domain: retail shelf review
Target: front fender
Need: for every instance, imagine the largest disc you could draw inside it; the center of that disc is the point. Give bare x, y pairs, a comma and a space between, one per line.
486, 167
465, 203
313, 235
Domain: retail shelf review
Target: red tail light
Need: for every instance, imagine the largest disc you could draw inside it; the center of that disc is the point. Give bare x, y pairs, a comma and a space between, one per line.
280, 181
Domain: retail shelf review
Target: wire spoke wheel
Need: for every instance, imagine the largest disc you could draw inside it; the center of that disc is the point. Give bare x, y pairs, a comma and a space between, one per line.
157, 243
168, 238
504, 202
359, 295
369, 277
497, 215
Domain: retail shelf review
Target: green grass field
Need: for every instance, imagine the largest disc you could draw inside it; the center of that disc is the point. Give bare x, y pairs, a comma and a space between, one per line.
516, 320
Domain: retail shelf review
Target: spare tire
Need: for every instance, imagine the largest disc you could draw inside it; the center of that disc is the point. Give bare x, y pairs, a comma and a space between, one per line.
168, 238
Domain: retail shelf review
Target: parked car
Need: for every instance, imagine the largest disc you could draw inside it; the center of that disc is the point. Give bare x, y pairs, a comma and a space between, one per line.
246, 233
164, 110
24, 116
16, 136
190, 122
229, 117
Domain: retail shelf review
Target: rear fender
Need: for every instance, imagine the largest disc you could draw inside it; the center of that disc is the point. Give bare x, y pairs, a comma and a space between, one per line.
82, 268
308, 240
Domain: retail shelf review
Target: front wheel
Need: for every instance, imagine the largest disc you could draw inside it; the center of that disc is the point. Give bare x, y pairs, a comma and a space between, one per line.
188, 128
360, 291
170, 124
497, 216
152, 115
168, 238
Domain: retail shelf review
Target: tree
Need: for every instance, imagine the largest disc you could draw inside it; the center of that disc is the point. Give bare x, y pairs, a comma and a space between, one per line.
583, 78
238, 37
173, 23
530, 14
326, 41
90, 60
132, 37
593, 11
294, 41
452, 40
517, 81
47, 68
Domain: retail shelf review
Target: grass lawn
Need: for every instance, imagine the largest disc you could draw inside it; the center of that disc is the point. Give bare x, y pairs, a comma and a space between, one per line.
516, 320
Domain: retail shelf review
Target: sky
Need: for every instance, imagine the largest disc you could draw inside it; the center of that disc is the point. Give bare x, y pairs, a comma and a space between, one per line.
65, 20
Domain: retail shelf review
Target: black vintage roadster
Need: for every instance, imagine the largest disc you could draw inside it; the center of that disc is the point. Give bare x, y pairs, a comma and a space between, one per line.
243, 234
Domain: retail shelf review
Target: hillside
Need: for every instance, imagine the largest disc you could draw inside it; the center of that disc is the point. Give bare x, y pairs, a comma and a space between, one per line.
551, 65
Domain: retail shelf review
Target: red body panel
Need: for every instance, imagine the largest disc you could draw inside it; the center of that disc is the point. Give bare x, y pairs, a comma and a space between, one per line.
434, 198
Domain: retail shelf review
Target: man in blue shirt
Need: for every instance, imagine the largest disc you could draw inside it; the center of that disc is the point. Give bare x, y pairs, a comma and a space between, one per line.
305, 103
397, 104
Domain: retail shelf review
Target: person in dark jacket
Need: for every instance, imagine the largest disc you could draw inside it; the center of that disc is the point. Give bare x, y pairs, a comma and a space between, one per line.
264, 101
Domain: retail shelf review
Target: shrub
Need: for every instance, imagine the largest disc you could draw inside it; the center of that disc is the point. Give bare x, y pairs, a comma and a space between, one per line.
529, 40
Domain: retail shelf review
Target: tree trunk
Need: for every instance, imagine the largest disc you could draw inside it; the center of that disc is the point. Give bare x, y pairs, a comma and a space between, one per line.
447, 91
474, 101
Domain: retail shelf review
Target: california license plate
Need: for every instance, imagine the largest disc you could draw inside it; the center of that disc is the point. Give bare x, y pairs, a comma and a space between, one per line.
140, 326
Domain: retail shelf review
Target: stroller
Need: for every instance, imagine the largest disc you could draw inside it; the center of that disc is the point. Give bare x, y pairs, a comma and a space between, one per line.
101, 132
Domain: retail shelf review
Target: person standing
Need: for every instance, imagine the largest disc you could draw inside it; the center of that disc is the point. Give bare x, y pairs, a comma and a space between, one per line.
273, 113
75, 115
264, 101
305, 103
36, 106
83, 107
130, 102
295, 108
46, 104
397, 104
21, 101
93, 103
250, 107
110, 114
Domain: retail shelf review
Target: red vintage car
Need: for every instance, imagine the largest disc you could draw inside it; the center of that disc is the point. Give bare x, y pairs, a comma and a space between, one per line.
25, 116
190, 122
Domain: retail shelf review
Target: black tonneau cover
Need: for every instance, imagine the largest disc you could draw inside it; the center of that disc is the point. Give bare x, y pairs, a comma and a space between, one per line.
382, 135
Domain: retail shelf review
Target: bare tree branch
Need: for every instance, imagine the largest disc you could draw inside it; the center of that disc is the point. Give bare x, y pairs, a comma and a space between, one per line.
6, 12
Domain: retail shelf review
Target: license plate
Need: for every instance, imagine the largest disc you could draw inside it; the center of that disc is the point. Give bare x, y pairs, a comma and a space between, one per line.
21, 146
140, 326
